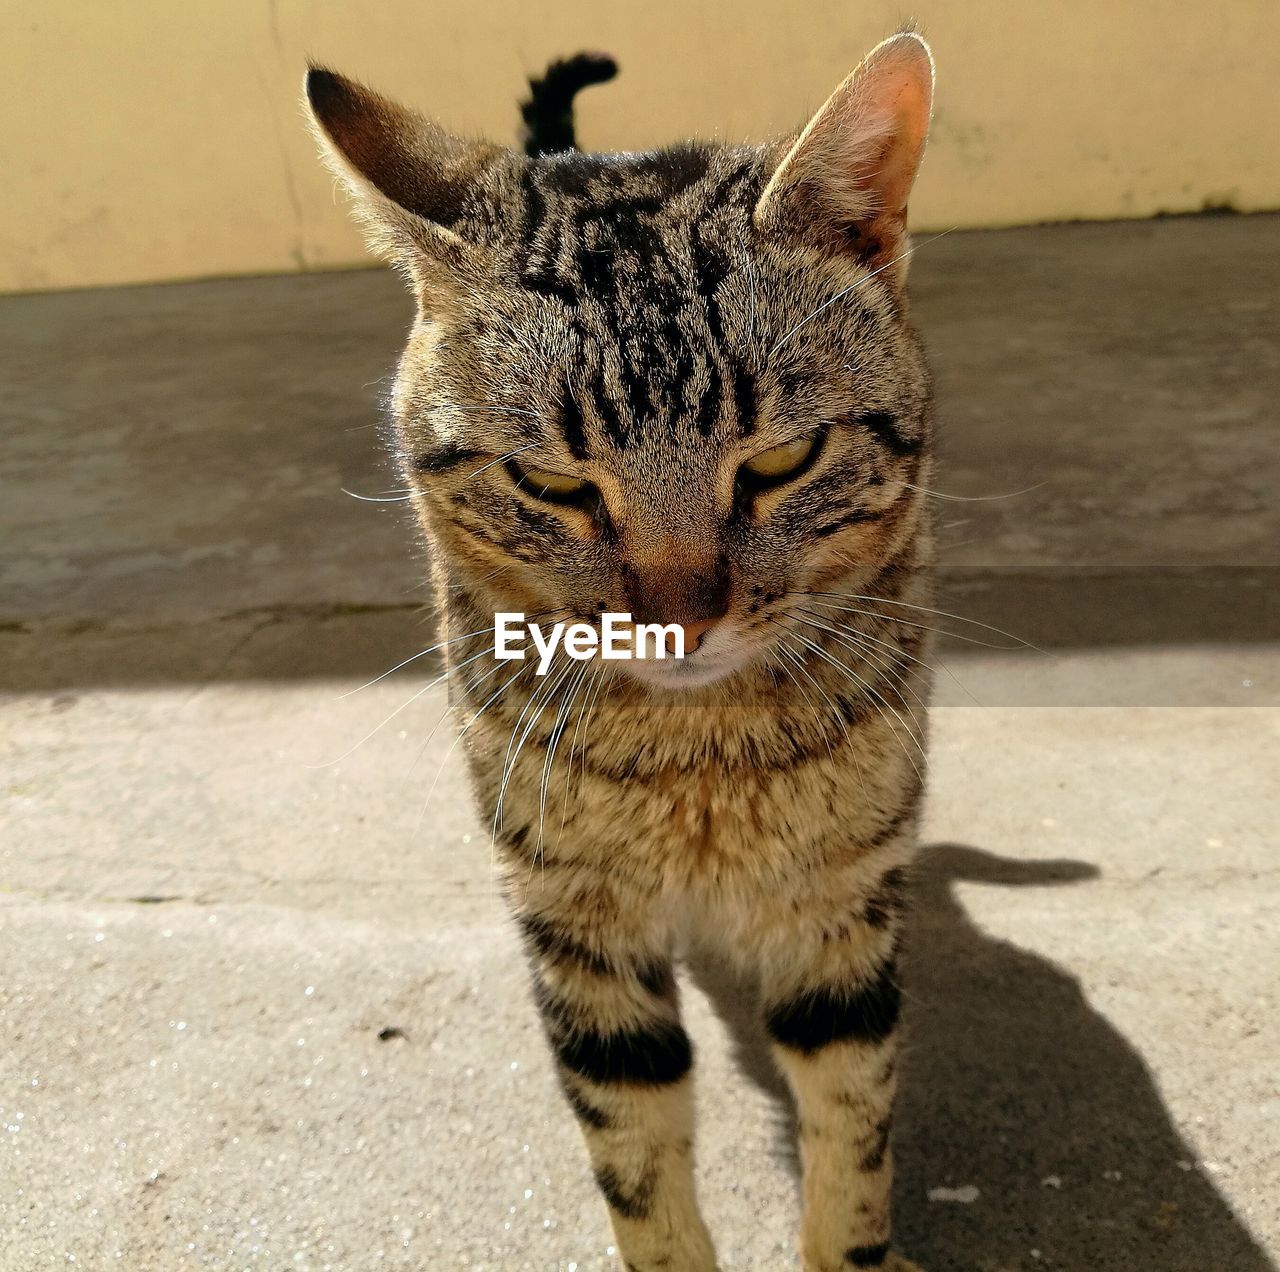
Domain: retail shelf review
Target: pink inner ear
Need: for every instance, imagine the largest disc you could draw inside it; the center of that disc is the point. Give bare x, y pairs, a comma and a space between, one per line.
848, 175
885, 120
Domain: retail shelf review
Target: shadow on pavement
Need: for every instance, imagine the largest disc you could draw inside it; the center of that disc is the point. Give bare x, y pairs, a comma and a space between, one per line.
1012, 1079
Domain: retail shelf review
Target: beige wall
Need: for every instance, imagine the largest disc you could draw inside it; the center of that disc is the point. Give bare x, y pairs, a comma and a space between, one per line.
148, 139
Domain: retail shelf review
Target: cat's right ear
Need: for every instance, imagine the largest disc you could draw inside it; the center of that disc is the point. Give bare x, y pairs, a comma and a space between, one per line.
407, 178
844, 181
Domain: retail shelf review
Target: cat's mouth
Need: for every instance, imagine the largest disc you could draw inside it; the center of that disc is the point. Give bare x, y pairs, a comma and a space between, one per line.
703, 667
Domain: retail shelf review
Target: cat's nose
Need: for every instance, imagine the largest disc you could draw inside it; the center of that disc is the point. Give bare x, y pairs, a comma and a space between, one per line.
693, 634
674, 586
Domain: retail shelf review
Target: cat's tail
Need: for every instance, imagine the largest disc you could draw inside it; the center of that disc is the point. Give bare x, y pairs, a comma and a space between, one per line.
548, 114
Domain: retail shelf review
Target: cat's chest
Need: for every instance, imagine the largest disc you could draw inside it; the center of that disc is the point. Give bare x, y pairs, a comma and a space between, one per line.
676, 799
737, 805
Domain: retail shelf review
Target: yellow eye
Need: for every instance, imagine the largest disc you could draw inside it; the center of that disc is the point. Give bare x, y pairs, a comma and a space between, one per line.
557, 487
780, 462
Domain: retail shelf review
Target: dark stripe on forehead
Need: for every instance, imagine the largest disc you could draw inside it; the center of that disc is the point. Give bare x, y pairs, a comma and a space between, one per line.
711, 263
744, 399
711, 258
734, 185
610, 420
575, 434
678, 167
640, 247
635, 383
540, 273
714, 265
589, 177
626, 269
708, 410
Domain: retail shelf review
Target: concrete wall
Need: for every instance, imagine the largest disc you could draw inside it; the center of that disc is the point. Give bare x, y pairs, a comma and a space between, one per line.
150, 140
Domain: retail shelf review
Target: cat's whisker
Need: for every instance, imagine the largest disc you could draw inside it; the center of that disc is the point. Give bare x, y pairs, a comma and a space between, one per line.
835, 710
597, 674
401, 497
502, 459
852, 640
874, 693
551, 615
786, 650
814, 647
601, 693
469, 586
462, 733
845, 629
552, 692
541, 699
886, 672
488, 408
593, 677
898, 652
431, 684
937, 494
558, 727
470, 684
1019, 642
422, 653
507, 765
921, 627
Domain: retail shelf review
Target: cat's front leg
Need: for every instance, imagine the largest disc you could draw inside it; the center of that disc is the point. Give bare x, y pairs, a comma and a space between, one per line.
833, 1017
612, 1018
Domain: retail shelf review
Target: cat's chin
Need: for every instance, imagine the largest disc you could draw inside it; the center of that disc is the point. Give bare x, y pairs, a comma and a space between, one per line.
682, 675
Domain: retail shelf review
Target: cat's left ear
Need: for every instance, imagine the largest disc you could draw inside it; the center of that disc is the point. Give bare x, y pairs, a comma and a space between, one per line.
408, 179
845, 180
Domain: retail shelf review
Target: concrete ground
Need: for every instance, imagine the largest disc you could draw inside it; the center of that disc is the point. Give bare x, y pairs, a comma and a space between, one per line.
258, 1004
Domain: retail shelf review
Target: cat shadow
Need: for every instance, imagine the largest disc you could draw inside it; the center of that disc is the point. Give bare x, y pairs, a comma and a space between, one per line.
1015, 1086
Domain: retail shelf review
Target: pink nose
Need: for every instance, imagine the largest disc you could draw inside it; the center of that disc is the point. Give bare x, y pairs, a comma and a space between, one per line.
693, 634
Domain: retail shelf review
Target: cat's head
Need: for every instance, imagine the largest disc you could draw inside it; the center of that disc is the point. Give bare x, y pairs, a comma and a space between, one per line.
678, 384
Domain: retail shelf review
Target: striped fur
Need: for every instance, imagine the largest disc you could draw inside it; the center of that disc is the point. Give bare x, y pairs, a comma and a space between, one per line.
648, 322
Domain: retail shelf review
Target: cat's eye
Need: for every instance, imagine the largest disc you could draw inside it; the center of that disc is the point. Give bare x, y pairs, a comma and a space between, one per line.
553, 487
781, 463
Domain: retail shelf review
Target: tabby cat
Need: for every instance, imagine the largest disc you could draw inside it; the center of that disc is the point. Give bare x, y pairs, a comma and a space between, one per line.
681, 385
